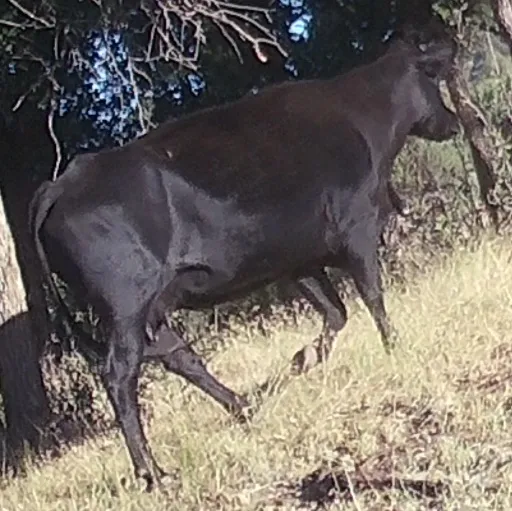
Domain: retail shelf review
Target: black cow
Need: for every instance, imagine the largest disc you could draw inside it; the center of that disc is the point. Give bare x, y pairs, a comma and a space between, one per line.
220, 202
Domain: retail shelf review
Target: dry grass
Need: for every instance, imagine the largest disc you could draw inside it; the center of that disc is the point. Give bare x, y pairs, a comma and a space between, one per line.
428, 428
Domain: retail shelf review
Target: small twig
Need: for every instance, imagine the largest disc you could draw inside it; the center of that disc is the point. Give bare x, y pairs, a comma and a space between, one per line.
242, 7
31, 15
142, 73
245, 35
56, 143
493, 54
56, 45
136, 95
350, 488
229, 38
79, 61
13, 24
149, 49
24, 96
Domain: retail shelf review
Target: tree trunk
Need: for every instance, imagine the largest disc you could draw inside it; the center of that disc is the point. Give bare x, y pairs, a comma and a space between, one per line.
25, 401
476, 131
503, 13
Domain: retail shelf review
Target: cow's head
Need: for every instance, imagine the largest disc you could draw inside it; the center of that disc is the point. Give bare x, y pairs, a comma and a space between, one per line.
432, 60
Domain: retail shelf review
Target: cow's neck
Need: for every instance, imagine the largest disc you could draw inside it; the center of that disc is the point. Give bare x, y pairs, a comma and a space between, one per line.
389, 119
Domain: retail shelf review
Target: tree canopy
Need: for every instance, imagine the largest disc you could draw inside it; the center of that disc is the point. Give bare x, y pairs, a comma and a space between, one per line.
105, 71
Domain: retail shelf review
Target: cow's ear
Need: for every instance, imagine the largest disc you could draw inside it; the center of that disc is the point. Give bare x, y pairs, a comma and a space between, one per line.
436, 59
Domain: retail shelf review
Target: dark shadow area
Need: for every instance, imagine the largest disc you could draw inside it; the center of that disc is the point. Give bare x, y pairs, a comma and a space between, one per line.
35, 412
321, 488
23, 396
397, 466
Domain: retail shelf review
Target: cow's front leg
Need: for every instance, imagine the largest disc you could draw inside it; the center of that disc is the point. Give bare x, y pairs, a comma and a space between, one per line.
364, 268
319, 290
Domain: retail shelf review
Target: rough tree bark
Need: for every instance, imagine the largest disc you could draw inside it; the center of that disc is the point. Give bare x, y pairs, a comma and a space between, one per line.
503, 13
23, 321
476, 130
24, 397
419, 14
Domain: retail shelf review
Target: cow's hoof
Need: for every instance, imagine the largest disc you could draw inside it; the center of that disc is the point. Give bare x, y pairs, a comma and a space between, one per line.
389, 347
244, 412
145, 482
305, 359
141, 483
391, 343
166, 481
240, 409
406, 210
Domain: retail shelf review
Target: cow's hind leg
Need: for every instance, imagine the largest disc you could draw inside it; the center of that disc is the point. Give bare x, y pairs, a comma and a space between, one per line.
319, 290
178, 357
120, 376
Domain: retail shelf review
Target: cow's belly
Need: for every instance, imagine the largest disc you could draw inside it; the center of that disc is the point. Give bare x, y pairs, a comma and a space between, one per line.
225, 260
222, 248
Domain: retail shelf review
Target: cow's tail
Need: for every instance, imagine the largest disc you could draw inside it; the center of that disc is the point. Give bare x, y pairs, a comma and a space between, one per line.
41, 204
44, 199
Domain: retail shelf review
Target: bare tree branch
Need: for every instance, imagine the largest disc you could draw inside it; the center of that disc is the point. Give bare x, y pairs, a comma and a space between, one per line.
229, 39
171, 31
169, 22
503, 13
24, 96
55, 140
142, 118
13, 24
31, 15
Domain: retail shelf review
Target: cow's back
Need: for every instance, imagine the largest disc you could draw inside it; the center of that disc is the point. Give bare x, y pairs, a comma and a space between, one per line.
264, 150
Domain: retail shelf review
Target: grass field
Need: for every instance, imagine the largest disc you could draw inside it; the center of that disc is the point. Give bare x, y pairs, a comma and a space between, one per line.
428, 428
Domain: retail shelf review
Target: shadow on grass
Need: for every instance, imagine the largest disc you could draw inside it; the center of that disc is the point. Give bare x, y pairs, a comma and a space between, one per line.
324, 488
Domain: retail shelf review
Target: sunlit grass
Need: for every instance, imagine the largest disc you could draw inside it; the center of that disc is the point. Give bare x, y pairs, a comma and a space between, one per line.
439, 410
